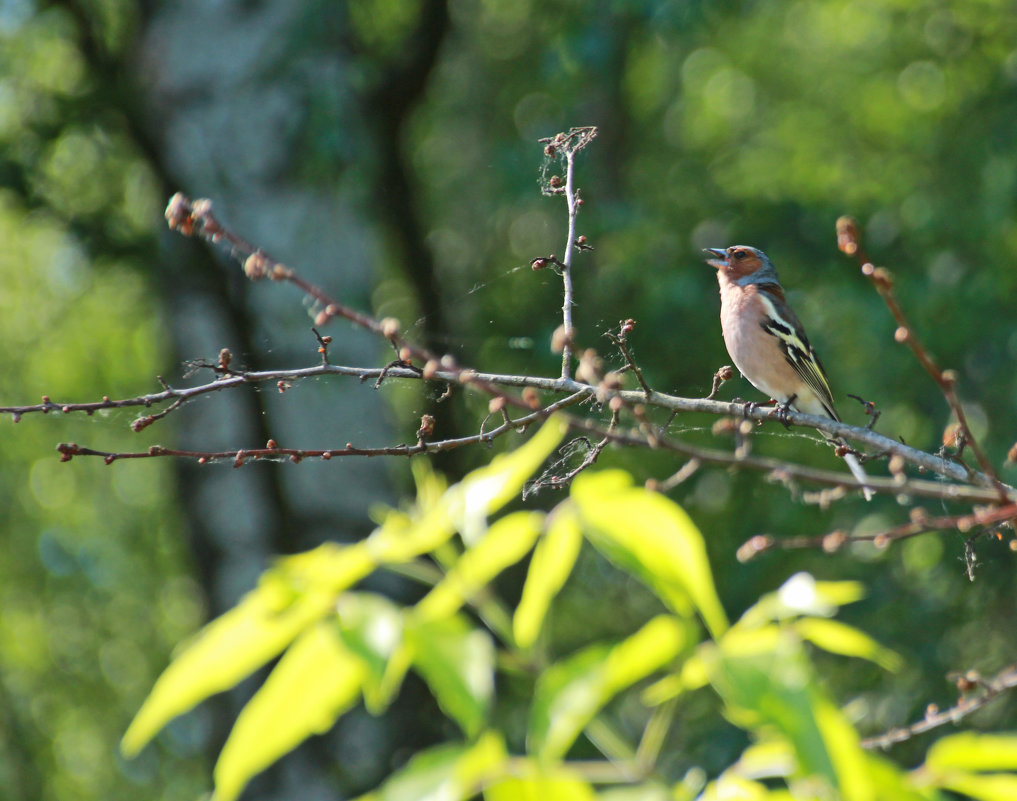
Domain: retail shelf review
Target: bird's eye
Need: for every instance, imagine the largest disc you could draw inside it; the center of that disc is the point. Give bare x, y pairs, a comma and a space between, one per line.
739, 255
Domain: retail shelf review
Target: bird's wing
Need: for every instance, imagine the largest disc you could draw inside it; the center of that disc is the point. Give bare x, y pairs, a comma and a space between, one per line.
782, 323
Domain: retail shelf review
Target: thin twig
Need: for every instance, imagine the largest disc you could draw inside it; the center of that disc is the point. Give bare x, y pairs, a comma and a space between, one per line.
920, 524
620, 341
272, 452
568, 145
990, 690
725, 373
849, 241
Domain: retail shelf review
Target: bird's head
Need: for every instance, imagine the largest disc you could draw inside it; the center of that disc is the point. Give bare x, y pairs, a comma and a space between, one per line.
743, 264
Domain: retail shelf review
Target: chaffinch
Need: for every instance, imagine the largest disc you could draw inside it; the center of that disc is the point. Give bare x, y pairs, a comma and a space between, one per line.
766, 340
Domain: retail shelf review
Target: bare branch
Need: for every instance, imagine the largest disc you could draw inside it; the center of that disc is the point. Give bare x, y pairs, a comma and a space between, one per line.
567, 145
920, 523
849, 241
983, 692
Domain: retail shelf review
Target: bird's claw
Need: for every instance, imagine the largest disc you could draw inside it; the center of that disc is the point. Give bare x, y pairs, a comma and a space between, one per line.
781, 412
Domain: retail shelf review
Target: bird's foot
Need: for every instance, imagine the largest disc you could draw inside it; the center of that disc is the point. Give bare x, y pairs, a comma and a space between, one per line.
782, 410
749, 407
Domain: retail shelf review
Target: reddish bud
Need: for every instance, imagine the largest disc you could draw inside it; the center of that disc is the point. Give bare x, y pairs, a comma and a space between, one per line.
847, 235
390, 327
724, 426
280, 272
426, 427
560, 338
833, 541
256, 266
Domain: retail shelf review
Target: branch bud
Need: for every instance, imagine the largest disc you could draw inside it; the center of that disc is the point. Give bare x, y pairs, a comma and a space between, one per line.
426, 427
724, 426
390, 327
561, 338
882, 278
178, 215
256, 266
834, 541
847, 235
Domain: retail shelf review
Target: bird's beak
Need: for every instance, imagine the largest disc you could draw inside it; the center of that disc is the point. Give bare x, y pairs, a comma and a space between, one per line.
720, 262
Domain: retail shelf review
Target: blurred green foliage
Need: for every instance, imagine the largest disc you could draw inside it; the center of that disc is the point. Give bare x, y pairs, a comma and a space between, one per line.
95, 578
341, 644
721, 122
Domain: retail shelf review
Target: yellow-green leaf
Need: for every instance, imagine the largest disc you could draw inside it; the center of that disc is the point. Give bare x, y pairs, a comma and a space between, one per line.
552, 562
372, 627
971, 751
506, 542
317, 679
728, 786
457, 662
531, 782
801, 595
652, 537
450, 772
982, 787
839, 638
466, 506
290, 597
569, 694
767, 683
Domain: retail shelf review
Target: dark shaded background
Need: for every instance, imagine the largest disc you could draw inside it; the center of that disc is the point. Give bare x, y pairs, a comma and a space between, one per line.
387, 149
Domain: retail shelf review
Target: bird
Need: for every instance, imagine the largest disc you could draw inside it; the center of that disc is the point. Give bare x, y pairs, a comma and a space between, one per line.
767, 342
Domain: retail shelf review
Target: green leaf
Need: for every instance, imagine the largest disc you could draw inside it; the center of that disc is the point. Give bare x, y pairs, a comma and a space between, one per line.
768, 759
801, 595
652, 537
466, 506
505, 543
767, 683
449, 772
984, 787
372, 627
971, 751
893, 784
839, 638
457, 662
570, 694
728, 786
552, 562
289, 598
317, 679
531, 782
644, 791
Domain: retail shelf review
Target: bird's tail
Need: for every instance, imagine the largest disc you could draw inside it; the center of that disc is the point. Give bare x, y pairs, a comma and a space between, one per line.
859, 473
